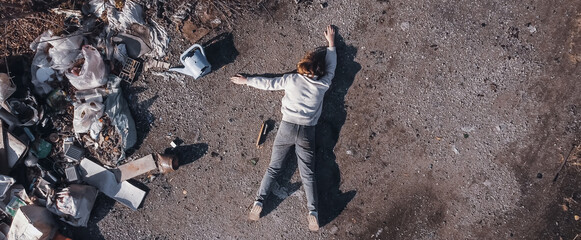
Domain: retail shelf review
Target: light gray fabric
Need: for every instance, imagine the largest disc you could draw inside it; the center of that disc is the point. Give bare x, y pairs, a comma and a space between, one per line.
303, 98
303, 138
117, 109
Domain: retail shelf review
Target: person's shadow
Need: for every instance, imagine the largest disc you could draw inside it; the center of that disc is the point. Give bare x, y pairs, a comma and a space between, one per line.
331, 200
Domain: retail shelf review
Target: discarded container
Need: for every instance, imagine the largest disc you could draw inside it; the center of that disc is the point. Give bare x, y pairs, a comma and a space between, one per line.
166, 163
194, 61
34, 223
135, 46
71, 174
14, 205
43, 149
135, 168
129, 71
73, 152
5, 183
56, 99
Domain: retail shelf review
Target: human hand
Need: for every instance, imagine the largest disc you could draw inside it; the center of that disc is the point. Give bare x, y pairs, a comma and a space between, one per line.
330, 35
239, 79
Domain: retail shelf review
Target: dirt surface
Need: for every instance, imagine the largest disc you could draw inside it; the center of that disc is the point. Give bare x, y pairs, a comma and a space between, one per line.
445, 120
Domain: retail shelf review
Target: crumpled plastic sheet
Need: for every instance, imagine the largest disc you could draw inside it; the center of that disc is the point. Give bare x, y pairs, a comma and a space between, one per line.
5, 183
32, 223
40, 60
118, 111
132, 13
73, 204
62, 52
93, 72
86, 115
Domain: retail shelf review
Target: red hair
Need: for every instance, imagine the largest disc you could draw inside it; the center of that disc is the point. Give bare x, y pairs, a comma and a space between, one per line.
312, 64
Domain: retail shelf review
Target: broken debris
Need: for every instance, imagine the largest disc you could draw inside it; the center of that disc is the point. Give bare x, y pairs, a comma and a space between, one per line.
105, 181
194, 61
135, 168
73, 204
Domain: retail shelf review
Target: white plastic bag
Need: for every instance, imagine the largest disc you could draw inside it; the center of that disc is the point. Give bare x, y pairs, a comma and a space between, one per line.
86, 114
64, 51
92, 74
40, 60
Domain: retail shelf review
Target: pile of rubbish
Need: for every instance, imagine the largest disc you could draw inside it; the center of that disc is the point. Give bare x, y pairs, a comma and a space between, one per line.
65, 125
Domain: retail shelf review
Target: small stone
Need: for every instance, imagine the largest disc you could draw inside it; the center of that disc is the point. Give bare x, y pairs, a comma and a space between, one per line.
324, 5
487, 183
576, 218
185, 192
576, 196
404, 26
254, 161
539, 175
334, 229
349, 152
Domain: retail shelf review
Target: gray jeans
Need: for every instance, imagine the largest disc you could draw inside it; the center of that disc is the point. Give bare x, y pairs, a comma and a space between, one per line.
303, 138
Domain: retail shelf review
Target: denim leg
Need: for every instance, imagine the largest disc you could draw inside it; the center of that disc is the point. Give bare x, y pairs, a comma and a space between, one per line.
305, 150
283, 142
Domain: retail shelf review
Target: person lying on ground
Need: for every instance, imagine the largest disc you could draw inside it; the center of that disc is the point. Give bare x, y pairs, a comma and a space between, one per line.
301, 109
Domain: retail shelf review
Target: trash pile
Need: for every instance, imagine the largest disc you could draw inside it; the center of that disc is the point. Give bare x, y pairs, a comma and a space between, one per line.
65, 125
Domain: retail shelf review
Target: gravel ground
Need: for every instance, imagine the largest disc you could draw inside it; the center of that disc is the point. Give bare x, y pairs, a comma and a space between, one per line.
446, 120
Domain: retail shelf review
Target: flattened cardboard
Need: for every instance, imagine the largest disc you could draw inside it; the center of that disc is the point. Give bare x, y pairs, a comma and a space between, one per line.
32, 222
104, 180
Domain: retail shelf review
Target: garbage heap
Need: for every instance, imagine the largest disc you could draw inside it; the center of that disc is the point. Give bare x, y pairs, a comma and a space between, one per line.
65, 125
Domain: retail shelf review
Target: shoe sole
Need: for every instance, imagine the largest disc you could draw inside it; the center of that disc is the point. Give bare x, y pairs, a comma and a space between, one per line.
313, 223
254, 214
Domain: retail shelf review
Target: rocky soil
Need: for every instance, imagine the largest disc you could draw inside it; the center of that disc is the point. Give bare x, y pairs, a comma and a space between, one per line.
446, 120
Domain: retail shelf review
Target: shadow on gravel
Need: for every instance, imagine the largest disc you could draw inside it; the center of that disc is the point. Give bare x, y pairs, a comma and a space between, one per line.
331, 200
188, 153
220, 50
282, 188
143, 118
103, 205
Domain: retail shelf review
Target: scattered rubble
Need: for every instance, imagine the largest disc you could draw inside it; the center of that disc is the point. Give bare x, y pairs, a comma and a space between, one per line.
65, 125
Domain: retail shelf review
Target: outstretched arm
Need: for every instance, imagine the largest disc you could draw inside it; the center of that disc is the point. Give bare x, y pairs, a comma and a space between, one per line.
330, 35
331, 58
263, 83
239, 79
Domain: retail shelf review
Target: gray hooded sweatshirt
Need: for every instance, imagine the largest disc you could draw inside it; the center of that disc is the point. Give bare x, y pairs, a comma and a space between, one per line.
303, 96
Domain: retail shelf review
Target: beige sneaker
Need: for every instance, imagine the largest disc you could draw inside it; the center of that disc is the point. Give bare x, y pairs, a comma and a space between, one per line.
313, 221
254, 214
